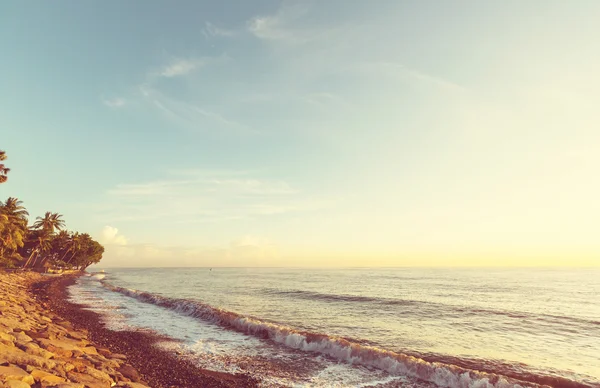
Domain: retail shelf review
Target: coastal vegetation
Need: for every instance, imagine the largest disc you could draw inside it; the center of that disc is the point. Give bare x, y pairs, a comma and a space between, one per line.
45, 243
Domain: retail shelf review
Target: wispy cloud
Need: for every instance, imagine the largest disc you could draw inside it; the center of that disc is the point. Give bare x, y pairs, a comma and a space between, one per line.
211, 31
115, 103
199, 197
402, 72
189, 115
181, 67
284, 25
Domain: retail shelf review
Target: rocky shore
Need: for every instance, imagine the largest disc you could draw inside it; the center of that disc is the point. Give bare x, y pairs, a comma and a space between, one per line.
47, 342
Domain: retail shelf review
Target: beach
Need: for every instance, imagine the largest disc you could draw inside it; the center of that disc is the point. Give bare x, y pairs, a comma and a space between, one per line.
101, 329
45, 341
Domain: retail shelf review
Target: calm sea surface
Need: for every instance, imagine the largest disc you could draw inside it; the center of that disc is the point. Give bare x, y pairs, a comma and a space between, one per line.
367, 327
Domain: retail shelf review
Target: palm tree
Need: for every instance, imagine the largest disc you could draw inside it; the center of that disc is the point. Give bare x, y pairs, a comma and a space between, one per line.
49, 222
3, 170
77, 241
13, 207
46, 226
13, 226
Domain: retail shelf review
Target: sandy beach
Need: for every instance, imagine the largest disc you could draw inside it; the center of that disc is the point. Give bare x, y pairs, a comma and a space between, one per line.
45, 341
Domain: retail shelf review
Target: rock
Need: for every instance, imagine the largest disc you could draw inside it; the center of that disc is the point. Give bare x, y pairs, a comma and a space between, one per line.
13, 323
88, 380
37, 335
15, 355
76, 335
64, 343
15, 373
60, 351
132, 385
16, 384
22, 337
118, 356
6, 338
78, 353
51, 379
64, 385
34, 349
65, 324
103, 351
68, 367
99, 375
129, 372
40, 375
89, 350
80, 365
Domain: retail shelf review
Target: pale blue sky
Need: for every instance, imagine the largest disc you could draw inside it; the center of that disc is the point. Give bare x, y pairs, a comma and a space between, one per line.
308, 132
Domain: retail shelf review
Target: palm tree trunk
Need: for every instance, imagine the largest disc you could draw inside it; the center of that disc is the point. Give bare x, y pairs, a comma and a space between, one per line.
72, 256
35, 261
62, 258
30, 256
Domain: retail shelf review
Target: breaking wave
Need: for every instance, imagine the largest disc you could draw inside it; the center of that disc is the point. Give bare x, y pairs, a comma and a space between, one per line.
443, 374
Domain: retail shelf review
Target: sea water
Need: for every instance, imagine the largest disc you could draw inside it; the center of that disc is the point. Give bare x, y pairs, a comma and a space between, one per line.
392, 327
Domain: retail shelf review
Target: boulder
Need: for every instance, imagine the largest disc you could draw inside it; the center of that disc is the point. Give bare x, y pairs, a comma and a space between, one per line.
98, 375
34, 349
51, 379
88, 380
103, 351
22, 337
15, 373
16, 356
40, 375
89, 350
132, 385
64, 385
37, 334
64, 343
16, 384
130, 372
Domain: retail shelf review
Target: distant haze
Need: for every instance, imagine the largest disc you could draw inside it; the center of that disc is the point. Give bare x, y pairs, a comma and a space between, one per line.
309, 133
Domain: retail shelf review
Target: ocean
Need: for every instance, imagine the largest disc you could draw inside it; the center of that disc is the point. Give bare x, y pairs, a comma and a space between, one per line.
391, 327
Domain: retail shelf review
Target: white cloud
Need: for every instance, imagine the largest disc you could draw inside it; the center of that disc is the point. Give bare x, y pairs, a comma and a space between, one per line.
110, 236
116, 102
180, 67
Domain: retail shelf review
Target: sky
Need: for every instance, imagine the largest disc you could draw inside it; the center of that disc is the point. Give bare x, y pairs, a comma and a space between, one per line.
309, 133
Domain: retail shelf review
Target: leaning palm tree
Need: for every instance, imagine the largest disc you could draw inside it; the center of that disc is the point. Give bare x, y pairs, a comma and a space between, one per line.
49, 223
3, 170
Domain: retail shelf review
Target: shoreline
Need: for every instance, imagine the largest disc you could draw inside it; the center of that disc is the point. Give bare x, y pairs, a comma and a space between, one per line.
158, 367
